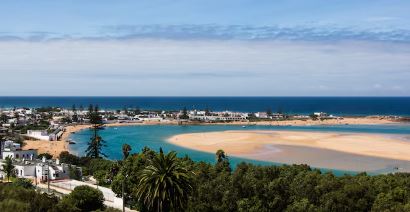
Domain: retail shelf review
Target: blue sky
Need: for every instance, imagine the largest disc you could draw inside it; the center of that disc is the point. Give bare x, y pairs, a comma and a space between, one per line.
205, 48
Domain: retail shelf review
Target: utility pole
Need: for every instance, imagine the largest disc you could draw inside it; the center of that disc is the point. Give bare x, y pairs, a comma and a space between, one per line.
48, 177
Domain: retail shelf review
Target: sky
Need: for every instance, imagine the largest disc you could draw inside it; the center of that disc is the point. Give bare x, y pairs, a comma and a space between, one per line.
205, 48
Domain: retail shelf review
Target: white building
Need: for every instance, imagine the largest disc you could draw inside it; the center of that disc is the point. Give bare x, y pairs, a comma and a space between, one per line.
320, 114
38, 134
261, 115
40, 170
148, 117
13, 150
217, 116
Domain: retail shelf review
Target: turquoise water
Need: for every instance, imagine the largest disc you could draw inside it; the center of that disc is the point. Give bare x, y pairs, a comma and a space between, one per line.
155, 136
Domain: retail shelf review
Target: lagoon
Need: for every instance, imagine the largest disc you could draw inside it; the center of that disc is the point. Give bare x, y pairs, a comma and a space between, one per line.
155, 137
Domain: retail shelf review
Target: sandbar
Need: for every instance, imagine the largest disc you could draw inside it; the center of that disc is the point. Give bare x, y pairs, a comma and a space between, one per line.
347, 151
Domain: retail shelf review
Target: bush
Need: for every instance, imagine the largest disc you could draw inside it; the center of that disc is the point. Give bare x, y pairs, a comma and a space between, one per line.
85, 198
25, 183
47, 155
66, 157
15, 198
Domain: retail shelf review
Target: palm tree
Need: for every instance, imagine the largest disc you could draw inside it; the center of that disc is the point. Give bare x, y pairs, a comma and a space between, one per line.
126, 148
165, 184
8, 167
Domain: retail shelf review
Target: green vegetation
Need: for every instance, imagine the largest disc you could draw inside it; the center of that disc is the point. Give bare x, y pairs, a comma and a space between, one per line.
165, 184
22, 182
253, 188
42, 125
94, 116
184, 114
74, 117
126, 148
96, 143
8, 168
154, 181
16, 198
48, 109
48, 156
66, 157
20, 196
84, 198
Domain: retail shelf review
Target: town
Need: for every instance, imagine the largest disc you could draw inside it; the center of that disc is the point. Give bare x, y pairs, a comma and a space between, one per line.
21, 125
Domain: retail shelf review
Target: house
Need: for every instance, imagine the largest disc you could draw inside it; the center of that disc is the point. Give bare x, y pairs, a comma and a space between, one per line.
13, 150
320, 114
261, 115
38, 134
40, 170
217, 116
277, 116
147, 117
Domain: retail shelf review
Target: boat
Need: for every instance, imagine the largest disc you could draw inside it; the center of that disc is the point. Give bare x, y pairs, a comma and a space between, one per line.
243, 126
71, 141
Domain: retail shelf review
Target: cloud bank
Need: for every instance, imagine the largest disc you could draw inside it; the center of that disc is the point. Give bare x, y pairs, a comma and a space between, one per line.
222, 32
168, 67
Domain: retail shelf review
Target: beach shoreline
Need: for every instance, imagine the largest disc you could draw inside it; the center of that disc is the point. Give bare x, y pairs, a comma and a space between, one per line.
56, 147
347, 151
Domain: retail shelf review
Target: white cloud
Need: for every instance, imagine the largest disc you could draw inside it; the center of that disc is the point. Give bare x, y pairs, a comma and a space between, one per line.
202, 67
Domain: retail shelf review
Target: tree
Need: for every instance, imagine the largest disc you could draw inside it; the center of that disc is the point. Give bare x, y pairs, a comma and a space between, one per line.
75, 116
66, 157
85, 198
269, 112
314, 117
8, 167
94, 116
74, 172
137, 111
95, 145
165, 184
220, 156
184, 114
48, 156
3, 118
207, 112
23, 182
96, 142
15, 197
126, 148
222, 161
90, 110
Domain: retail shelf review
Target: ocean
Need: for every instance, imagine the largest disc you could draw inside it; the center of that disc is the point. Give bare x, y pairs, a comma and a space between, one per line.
348, 106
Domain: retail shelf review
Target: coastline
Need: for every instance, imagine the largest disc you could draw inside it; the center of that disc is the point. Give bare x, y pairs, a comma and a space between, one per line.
348, 151
56, 147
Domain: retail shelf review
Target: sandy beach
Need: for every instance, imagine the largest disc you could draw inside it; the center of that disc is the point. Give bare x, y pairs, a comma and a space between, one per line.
348, 151
56, 147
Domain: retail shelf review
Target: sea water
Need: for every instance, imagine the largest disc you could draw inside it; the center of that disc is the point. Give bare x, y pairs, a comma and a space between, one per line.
354, 106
